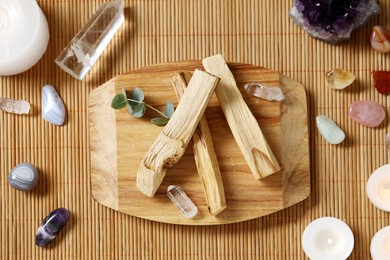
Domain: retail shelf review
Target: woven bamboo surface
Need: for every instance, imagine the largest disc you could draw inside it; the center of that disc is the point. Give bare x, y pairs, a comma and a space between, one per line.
247, 31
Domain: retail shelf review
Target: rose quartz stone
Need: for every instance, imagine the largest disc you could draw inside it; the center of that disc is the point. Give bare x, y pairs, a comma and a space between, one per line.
368, 113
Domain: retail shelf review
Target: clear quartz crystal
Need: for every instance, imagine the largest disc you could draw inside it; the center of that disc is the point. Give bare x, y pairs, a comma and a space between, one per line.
14, 106
265, 92
181, 201
85, 48
387, 141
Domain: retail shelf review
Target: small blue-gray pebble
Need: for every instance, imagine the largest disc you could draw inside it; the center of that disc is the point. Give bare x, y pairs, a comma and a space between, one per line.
23, 177
331, 132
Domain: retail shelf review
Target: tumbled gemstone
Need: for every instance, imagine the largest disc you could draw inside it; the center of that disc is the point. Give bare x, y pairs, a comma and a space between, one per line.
53, 109
23, 177
387, 141
332, 21
181, 201
331, 132
51, 226
382, 81
368, 113
339, 79
263, 91
380, 38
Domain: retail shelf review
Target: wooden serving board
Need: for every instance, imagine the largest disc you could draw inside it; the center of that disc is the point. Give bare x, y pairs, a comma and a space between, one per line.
118, 143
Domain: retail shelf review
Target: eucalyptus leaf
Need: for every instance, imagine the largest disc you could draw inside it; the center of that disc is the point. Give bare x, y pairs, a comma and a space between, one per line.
160, 121
137, 94
169, 109
138, 110
119, 101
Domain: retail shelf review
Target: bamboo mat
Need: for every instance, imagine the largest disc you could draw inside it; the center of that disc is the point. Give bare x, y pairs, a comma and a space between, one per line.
248, 31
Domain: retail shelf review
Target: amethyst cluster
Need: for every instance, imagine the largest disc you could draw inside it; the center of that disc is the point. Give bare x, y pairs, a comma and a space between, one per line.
51, 226
332, 21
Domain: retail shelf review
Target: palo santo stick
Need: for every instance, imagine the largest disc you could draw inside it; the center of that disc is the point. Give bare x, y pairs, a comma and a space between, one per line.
205, 158
170, 144
245, 129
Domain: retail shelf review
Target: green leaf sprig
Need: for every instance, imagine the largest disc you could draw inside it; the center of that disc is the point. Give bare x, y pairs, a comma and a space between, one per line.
136, 106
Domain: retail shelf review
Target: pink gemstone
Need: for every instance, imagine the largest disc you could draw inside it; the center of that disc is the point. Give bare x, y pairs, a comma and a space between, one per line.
368, 113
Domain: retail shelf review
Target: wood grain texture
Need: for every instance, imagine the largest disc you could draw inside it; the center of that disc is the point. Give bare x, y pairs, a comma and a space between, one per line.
171, 143
250, 31
244, 126
205, 158
103, 145
246, 198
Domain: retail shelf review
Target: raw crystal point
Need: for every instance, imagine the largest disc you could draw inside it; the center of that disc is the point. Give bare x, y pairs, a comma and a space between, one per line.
380, 38
87, 45
387, 141
51, 226
181, 201
14, 106
265, 92
330, 20
339, 79
331, 132
368, 113
382, 81
53, 109
23, 177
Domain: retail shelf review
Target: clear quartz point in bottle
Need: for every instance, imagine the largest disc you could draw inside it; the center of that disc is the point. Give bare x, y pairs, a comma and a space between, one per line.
87, 45
181, 201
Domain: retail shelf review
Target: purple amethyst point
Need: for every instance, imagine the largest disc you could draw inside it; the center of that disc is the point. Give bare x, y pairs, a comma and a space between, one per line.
51, 226
332, 21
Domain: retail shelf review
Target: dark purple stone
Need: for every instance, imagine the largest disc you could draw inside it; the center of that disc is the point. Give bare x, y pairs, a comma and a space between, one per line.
332, 20
51, 226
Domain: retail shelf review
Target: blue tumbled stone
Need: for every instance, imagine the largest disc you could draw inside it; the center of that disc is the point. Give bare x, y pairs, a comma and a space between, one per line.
23, 177
51, 226
332, 20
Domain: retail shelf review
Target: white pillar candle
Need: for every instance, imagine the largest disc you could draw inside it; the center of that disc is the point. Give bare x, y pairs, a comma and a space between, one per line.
24, 35
380, 244
327, 238
378, 188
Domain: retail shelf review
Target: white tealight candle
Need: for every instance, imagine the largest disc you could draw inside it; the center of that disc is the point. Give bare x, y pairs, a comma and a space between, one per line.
327, 238
24, 35
378, 188
380, 244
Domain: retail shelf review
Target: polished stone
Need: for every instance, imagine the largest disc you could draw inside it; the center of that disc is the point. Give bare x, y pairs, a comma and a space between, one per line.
332, 21
368, 113
51, 226
339, 78
380, 39
53, 109
329, 130
387, 141
381, 81
24, 177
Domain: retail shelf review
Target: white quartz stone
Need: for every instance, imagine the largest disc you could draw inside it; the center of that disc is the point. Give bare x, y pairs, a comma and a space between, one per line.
14, 106
331, 132
53, 109
181, 201
263, 91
